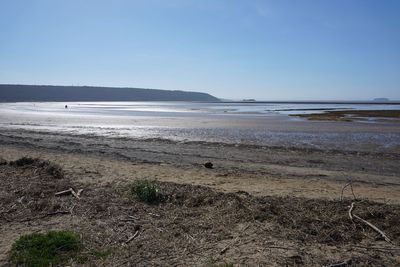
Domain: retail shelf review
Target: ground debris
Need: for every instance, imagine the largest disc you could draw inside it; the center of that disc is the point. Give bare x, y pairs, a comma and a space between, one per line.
195, 223
344, 263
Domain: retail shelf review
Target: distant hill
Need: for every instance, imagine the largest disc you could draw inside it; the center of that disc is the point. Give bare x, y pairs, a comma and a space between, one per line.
381, 99
25, 93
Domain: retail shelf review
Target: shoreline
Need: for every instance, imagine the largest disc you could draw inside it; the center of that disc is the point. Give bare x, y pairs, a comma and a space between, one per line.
253, 131
282, 170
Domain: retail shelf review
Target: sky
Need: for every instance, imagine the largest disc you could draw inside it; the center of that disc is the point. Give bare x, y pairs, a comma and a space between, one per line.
232, 49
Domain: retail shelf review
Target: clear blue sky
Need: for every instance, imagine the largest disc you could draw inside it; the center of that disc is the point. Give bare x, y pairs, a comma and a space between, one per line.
268, 50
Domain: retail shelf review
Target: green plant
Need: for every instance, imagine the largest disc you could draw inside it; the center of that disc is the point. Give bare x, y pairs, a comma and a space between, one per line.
146, 191
48, 249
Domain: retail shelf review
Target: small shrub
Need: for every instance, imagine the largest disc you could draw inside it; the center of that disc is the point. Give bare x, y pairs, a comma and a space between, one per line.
54, 170
146, 191
50, 168
23, 161
48, 249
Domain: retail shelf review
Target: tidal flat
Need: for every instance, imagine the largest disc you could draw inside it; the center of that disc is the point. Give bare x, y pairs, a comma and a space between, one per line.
355, 115
282, 200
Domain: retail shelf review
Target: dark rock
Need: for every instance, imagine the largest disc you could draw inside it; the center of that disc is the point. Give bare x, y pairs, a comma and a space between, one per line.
208, 165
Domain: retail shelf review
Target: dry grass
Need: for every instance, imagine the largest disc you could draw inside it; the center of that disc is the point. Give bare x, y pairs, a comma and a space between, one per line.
195, 224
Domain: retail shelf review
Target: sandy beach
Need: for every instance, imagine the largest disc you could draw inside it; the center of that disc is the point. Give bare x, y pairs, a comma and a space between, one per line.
259, 205
258, 170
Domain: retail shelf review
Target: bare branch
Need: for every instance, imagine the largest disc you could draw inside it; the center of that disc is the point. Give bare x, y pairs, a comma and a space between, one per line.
376, 229
132, 237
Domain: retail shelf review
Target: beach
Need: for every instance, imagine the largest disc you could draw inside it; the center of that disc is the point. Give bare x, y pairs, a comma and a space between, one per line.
279, 202
200, 133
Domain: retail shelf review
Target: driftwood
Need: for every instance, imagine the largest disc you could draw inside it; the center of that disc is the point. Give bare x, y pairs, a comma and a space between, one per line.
280, 247
72, 209
352, 191
132, 237
75, 194
376, 229
70, 191
79, 192
340, 264
351, 211
65, 192
225, 249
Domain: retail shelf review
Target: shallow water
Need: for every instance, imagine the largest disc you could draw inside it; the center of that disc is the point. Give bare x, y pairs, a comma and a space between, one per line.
239, 123
185, 108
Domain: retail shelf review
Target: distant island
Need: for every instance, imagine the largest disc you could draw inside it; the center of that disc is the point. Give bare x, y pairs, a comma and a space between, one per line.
381, 99
35, 93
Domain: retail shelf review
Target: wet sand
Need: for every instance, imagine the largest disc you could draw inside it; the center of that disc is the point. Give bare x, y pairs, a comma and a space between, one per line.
251, 129
258, 170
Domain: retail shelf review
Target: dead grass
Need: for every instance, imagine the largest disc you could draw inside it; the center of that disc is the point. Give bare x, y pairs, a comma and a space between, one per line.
195, 224
50, 168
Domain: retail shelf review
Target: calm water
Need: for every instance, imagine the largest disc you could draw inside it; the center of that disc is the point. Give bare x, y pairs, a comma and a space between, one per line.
250, 123
184, 108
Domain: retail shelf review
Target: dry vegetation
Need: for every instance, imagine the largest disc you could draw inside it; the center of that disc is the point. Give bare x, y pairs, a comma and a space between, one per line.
352, 115
193, 225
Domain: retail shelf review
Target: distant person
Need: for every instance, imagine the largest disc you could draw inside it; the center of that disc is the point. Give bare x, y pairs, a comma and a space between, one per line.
66, 106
